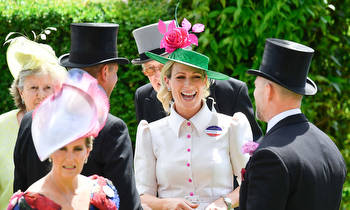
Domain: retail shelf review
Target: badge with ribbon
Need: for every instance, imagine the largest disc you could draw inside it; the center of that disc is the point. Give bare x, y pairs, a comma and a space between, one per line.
213, 131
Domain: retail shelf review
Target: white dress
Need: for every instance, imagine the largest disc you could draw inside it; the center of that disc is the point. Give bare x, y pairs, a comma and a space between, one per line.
193, 159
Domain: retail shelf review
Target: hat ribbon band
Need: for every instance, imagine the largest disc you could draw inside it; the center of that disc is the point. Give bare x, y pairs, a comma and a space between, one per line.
91, 57
157, 51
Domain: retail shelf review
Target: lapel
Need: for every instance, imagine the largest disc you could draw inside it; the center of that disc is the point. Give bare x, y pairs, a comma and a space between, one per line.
152, 96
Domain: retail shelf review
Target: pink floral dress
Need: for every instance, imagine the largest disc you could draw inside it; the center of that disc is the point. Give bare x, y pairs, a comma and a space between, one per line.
104, 196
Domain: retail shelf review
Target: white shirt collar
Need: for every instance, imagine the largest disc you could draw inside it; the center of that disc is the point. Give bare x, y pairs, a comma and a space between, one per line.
200, 120
273, 121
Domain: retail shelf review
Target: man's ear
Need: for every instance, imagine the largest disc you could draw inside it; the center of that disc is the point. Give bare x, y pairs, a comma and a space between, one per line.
270, 91
103, 73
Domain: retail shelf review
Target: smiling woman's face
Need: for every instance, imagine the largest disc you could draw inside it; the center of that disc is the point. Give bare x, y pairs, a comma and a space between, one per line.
187, 86
69, 160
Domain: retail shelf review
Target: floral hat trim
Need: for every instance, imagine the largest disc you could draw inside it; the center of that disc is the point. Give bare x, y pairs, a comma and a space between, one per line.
176, 40
178, 37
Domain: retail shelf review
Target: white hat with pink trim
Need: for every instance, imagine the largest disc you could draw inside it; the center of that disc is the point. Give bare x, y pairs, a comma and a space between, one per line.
79, 109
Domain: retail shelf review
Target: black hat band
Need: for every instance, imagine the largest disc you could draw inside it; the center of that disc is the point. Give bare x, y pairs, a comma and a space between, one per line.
157, 51
91, 57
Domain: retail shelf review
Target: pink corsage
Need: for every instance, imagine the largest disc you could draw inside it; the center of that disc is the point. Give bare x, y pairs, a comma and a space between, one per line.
178, 37
14, 199
249, 147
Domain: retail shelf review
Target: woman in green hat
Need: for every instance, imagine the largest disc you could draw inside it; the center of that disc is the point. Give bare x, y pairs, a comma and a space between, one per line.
187, 160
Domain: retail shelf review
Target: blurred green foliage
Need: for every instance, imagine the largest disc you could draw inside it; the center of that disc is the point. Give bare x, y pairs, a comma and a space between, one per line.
234, 40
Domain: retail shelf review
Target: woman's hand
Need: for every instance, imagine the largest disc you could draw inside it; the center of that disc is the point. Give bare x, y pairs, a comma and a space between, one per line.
178, 204
219, 204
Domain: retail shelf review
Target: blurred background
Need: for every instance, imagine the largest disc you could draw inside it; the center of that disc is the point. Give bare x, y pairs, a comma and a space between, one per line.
234, 40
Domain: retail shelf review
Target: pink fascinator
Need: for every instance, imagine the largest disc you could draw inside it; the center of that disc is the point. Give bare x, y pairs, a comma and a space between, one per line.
78, 110
178, 37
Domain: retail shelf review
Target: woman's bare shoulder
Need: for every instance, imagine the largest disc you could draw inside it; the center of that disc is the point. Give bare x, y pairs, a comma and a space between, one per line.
38, 186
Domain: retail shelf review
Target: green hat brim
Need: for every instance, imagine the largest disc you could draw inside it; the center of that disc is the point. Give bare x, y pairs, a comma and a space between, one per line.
210, 74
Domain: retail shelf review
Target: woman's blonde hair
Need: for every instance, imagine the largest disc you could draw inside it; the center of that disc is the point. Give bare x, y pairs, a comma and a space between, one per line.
56, 72
164, 95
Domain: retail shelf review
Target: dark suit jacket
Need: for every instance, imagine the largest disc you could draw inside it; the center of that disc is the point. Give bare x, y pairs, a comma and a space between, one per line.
111, 157
231, 96
296, 166
147, 106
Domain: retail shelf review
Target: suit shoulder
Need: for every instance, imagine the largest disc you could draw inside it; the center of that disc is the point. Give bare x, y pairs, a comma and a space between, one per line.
144, 90
113, 122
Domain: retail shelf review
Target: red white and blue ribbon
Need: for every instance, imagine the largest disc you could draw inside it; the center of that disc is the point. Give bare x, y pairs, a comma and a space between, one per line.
213, 131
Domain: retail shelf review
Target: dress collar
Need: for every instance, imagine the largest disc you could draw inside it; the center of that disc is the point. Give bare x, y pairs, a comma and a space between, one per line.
273, 121
199, 121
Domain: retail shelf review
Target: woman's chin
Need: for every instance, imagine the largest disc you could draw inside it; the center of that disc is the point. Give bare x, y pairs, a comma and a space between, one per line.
70, 172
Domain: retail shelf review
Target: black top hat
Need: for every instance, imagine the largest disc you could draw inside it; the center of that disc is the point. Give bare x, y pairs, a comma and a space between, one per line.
287, 63
92, 44
148, 40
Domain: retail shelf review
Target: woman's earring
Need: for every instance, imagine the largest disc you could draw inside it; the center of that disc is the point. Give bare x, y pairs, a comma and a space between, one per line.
50, 160
86, 161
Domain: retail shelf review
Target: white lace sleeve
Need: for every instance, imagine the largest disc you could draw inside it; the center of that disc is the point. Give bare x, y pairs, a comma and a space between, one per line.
145, 161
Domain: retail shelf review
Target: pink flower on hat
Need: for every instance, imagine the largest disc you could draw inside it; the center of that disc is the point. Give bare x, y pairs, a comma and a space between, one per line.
178, 37
249, 147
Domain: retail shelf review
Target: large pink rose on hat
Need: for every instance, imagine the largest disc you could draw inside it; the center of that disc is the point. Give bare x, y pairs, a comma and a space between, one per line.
178, 37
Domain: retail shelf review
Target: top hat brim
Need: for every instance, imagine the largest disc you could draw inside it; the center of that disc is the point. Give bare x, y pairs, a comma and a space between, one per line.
64, 61
210, 74
309, 89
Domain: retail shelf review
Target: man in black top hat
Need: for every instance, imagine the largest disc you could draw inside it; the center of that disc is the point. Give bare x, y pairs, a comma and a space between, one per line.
230, 96
296, 165
93, 49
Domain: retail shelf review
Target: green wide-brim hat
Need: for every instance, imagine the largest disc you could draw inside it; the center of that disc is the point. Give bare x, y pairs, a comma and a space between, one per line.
189, 58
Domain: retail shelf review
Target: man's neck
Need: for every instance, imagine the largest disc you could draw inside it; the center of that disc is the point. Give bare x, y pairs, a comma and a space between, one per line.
280, 116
